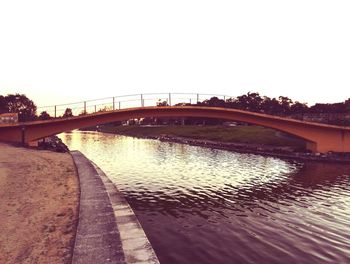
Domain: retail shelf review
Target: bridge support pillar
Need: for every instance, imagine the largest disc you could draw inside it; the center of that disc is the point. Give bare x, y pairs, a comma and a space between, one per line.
23, 135
331, 141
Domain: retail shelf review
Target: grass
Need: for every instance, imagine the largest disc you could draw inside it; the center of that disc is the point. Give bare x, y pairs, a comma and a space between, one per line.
237, 134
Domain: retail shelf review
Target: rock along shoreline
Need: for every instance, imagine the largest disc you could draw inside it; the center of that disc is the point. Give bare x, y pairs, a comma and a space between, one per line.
53, 143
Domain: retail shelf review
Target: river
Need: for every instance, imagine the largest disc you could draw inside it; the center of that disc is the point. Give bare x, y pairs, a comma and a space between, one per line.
201, 205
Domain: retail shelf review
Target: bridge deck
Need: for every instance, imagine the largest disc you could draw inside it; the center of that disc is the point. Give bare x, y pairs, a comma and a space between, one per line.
320, 137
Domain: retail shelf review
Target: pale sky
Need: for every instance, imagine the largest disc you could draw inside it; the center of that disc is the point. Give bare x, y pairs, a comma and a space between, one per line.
65, 51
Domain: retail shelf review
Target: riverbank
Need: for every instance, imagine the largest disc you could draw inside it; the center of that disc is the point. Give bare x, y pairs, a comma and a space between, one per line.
39, 193
246, 135
243, 139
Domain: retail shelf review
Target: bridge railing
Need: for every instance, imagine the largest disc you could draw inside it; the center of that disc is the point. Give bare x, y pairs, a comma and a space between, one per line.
170, 99
126, 101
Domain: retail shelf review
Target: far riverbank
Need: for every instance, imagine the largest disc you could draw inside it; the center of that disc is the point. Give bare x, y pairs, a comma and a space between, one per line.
243, 139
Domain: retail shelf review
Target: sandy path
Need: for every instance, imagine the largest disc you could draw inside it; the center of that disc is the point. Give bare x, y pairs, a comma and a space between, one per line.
38, 206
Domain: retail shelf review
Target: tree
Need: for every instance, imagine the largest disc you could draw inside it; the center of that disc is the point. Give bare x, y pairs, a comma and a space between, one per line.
83, 113
250, 102
285, 103
271, 106
68, 112
214, 101
3, 105
44, 116
347, 105
299, 108
19, 103
162, 103
105, 109
320, 108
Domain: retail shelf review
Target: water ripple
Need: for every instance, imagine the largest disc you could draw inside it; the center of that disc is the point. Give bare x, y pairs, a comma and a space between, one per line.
199, 205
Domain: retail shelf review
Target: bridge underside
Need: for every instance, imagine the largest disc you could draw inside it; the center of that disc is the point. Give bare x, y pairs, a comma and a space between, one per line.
319, 137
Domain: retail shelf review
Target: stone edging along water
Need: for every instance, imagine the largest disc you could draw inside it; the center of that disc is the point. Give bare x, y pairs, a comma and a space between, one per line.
136, 245
108, 230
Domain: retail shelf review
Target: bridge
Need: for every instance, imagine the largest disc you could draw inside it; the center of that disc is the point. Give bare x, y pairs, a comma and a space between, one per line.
319, 137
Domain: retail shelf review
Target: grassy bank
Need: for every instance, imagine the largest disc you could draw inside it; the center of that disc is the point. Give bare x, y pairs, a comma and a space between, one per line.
237, 134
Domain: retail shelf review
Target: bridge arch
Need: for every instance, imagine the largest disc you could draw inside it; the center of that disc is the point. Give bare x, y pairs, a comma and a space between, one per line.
319, 137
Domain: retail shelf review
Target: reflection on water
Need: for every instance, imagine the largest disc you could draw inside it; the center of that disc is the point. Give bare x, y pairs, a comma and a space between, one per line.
199, 205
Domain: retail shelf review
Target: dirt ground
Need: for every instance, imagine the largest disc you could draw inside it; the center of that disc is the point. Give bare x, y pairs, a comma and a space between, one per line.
39, 196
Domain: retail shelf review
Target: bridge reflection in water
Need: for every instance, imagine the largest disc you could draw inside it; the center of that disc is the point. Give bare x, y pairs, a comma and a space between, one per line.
319, 137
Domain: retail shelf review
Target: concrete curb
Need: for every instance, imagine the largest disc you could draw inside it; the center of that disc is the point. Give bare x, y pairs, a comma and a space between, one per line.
108, 230
136, 246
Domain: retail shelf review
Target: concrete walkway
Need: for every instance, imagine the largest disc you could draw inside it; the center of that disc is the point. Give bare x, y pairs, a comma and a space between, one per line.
108, 230
97, 239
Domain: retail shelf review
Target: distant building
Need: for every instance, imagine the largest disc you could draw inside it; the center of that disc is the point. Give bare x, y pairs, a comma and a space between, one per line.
8, 118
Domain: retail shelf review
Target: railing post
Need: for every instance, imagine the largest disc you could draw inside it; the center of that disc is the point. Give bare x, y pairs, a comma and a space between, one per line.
85, 107
169, 99
142, 103
113, 103
55, 111
119, 105
95, 108
197, 98
190, 101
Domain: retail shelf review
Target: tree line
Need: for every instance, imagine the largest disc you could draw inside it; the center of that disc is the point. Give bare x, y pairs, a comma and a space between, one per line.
275, 106
27, 110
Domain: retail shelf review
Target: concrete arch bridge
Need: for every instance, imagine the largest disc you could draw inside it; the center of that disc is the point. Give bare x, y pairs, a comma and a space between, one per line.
319, 137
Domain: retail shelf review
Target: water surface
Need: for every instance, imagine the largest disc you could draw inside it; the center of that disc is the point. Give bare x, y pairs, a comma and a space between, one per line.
199, 205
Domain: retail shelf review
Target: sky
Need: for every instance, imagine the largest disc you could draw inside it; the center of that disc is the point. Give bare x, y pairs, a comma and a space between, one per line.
66, 51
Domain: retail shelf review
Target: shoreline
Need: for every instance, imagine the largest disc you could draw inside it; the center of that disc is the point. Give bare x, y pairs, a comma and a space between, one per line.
264, 150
